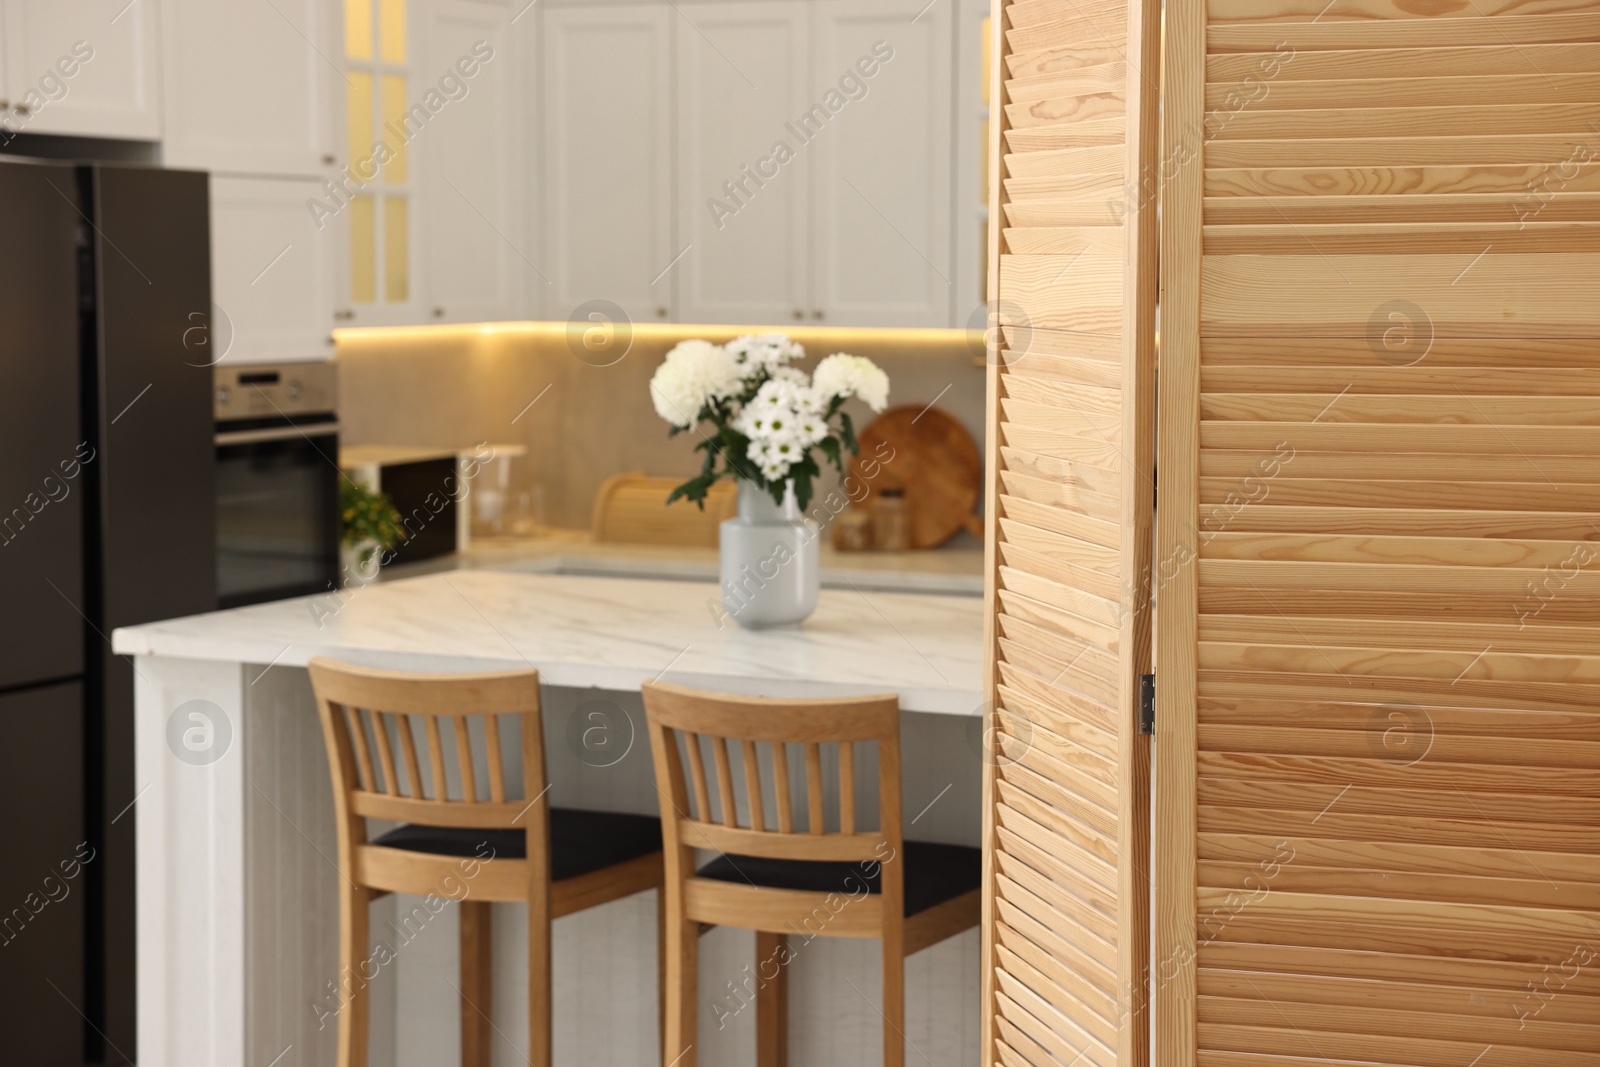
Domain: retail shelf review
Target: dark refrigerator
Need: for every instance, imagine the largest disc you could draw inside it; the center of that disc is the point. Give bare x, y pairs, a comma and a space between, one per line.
107, 519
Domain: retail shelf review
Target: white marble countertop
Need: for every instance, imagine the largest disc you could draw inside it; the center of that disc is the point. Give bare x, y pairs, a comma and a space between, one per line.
605, 632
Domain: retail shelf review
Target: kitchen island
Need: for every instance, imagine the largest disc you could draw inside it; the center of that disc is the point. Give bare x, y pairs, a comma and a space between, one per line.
237, 884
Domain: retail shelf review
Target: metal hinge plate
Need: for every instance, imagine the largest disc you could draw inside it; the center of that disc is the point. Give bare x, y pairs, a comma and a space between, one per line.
1147, 703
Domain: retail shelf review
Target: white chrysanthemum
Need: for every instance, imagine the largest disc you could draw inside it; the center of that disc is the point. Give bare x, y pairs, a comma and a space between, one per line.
772, 412
845, 375
767, 351
774, 458
809, 428
694, 373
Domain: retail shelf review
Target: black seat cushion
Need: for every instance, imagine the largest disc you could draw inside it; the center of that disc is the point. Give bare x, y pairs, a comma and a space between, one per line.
933, 874
580, 841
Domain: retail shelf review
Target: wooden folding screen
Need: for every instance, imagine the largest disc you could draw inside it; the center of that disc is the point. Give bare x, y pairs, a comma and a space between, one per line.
1378, 711
1072, 284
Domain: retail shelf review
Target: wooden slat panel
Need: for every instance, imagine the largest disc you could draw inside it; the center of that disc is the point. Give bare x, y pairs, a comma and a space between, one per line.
1513, 295
1500, 354
1225, 12
1080, 293
1393, 181
1070, 390
1380, 661
1446, 972
1549, 149
1366, 238
1489, 60
1411, 91
1315, 36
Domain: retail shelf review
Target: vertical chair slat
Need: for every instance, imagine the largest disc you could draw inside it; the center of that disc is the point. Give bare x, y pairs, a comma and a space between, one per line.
497, 773
697, 771
469, 787
730, 809
780, 781
814, 786
408, 749
752, 785
436, 758
380, 729
847, 787
358, 734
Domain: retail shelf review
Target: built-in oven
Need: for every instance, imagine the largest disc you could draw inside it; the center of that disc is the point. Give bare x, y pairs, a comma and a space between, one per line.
277, 436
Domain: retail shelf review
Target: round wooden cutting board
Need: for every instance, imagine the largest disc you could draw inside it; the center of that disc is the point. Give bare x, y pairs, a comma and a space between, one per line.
936, 462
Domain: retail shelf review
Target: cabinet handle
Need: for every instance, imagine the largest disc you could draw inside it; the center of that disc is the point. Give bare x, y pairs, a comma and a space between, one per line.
661, 313
799, 316
22, 109
330, 160
343, 315
4, 103
438, 313
817, 314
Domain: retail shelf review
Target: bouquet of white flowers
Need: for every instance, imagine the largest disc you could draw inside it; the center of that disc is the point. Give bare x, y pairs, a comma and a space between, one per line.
767, 415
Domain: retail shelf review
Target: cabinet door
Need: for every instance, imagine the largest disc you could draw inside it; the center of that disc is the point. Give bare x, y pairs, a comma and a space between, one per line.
83, 67
270, 273
882, 253
606, 158
743, 175
471, 263
6, 119
246, 86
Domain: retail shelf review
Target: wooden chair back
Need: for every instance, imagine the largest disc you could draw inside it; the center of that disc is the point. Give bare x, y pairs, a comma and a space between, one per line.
706, 805
632, 509
388, 733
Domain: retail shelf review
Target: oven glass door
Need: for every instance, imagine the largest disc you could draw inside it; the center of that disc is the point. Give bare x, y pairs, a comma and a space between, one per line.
277, 518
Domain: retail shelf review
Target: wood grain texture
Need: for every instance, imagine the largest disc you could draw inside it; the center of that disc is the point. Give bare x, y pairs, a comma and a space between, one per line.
1072, 383
1385, 834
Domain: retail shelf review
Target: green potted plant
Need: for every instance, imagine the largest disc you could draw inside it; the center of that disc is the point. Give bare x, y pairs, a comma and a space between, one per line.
370, 527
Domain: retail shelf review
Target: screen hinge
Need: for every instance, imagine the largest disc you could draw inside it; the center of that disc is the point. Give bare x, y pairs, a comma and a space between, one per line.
1147, 703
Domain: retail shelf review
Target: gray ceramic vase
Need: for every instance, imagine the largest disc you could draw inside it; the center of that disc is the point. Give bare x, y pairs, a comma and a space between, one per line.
770, 569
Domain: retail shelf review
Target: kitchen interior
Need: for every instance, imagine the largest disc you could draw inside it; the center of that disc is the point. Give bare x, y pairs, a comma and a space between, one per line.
344, 319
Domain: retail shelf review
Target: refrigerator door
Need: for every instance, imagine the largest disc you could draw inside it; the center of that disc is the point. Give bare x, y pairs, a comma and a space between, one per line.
153, 256
157, 543
43, 881
43, 472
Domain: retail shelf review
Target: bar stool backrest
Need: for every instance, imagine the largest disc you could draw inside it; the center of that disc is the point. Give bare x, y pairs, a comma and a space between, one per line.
753, 812
428, 748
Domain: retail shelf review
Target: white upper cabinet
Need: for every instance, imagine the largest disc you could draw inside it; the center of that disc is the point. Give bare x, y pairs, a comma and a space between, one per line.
82, 67
883, 251
606, 160
472, 258
743, 174
271, 276
247, 85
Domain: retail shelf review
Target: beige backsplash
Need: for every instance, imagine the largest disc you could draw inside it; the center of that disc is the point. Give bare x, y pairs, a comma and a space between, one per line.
458, 385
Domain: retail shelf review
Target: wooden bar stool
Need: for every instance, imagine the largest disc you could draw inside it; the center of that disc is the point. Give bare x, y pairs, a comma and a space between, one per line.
381, 727
769, 876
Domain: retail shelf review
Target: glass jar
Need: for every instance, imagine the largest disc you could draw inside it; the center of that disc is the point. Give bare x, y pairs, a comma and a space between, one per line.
891, 521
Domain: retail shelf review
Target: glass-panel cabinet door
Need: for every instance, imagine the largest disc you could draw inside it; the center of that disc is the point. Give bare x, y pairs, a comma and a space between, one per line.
373, 195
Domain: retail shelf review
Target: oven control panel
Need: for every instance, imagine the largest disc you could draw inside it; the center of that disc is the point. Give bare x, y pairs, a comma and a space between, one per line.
264, 390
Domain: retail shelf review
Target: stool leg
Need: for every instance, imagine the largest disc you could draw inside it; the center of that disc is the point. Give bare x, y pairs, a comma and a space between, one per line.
661, 965
354, 948
894, 1002
540, 1038
683, 977
477, 983
772, 1001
